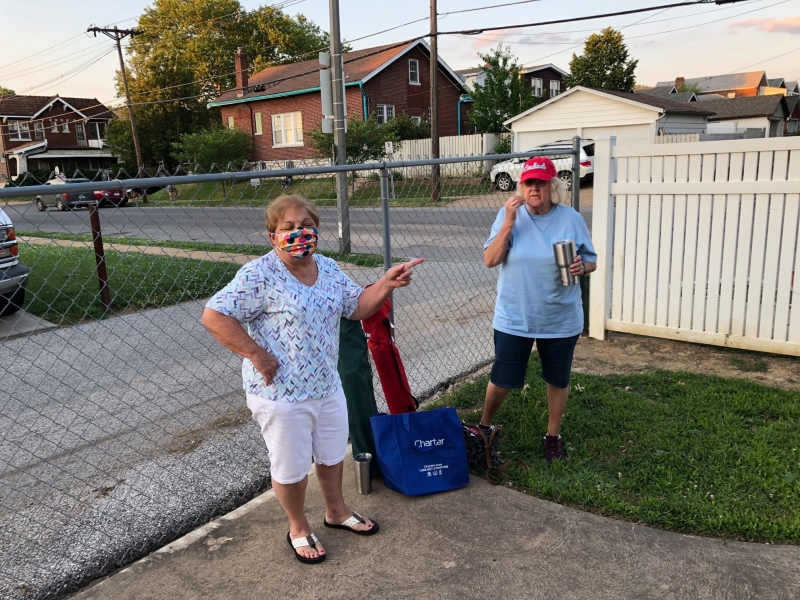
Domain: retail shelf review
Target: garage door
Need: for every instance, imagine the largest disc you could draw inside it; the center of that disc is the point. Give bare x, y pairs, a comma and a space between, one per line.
625, 134
525, 140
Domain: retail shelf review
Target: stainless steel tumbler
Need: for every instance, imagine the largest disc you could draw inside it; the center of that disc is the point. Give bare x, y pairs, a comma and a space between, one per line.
363, 463
564, 252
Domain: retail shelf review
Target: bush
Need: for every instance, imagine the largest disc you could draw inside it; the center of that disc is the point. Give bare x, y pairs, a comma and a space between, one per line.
34, 177
503, 146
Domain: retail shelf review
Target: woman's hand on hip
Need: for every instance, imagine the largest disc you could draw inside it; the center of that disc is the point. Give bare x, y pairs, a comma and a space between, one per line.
512, 204
266, 364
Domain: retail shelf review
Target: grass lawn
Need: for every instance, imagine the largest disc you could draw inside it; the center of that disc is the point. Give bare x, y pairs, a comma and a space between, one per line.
362, 260
321, 191
677, 451
63, 287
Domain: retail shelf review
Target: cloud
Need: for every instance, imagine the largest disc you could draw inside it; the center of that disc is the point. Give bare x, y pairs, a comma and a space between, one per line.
787, 25
492, 38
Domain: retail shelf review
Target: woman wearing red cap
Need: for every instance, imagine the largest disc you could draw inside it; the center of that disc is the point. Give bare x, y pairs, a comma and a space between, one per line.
532, 304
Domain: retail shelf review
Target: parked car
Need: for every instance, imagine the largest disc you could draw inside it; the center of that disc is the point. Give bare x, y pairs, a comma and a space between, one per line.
504, 175
67, 201
13, 275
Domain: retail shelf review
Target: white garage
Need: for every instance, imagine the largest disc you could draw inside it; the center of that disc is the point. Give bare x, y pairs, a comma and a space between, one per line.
593, 114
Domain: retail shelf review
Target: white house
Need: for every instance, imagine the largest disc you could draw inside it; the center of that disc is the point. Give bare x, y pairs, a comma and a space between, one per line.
593, 113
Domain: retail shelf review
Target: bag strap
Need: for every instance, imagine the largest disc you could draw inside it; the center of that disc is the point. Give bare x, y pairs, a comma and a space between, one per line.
487, 444
495, 474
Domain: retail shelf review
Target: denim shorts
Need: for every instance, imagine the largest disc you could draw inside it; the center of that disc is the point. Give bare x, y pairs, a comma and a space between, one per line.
512, 353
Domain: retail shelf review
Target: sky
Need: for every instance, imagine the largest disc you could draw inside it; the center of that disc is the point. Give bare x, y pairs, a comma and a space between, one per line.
56, 56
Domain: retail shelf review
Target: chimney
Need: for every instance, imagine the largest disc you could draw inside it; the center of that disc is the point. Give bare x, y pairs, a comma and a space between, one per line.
680, 82
241, 67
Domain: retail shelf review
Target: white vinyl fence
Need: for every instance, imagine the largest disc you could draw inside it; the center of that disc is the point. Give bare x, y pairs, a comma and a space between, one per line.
699, 242
677, 138
449, 147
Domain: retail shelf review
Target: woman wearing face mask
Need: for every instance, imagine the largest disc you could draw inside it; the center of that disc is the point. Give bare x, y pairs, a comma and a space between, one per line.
281, 313
532, 304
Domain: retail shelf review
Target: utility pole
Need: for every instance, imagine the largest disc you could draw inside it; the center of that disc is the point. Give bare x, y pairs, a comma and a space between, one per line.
339, 128
436, 192
118, 35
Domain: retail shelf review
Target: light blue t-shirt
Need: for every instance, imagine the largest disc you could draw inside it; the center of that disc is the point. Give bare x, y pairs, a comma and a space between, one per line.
531, 301
296, 323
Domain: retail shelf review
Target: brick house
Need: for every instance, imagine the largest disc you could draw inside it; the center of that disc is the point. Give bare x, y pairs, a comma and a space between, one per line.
545, 81
276, 105
45, 132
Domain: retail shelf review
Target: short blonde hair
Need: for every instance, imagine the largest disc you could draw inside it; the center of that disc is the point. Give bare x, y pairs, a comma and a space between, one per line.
558, 190
274, 212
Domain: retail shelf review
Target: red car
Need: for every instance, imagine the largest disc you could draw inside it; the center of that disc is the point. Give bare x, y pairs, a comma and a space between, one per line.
66, 201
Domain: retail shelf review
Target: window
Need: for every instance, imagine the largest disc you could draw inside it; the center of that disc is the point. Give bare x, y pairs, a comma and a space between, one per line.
65, 127
53, 126
80, 132
413, 72
38, 130
259, 129
537, 87
19, 131
417, 120
555, 88
429, 114
385, 112
230, 122
287, 129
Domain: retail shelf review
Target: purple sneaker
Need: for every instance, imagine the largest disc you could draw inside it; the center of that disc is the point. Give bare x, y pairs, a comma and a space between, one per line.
552, 448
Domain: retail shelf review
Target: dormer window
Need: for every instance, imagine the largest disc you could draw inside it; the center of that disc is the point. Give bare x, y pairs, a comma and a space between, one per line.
413, 72
38, 130
537, 87
555, 88
65, 127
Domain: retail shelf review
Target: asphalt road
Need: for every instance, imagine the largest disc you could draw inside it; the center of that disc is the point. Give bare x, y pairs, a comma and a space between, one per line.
120, 435
415, 231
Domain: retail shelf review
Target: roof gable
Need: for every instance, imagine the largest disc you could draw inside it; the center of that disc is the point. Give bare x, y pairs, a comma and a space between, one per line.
31, 106
535, 68
303, 77
640, 100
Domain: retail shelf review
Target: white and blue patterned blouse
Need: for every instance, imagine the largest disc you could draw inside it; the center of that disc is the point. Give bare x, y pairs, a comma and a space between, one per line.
297, 324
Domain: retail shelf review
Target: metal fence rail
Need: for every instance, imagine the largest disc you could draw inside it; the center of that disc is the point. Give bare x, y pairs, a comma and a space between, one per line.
122, 423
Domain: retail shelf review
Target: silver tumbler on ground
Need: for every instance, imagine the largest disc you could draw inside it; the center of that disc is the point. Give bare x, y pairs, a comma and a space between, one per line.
564, 252
363, 464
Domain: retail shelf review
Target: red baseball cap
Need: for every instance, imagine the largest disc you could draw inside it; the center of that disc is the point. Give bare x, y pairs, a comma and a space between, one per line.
539, 167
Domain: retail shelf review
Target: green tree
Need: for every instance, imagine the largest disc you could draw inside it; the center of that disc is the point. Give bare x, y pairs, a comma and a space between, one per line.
188, 47
605, 63
503, 94
692, 87
120, 141
405, 128
364, 142
5, 91
216, 146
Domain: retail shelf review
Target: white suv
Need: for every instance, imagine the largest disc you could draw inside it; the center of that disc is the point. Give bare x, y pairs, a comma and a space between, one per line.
504, 175
13, 276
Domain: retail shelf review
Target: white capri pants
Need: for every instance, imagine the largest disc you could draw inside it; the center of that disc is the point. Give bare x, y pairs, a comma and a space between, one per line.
296, 431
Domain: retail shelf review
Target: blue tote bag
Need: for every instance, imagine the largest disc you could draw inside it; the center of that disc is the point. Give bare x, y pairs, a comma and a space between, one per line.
421, 452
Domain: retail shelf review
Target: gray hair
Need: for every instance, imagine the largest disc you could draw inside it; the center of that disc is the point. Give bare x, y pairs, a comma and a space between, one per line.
558, 190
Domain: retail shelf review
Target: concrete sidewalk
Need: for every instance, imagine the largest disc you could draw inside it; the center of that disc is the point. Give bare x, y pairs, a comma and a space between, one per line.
478, 542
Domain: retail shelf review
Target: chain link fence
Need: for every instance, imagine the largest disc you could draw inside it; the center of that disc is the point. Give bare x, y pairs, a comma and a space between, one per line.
122, 422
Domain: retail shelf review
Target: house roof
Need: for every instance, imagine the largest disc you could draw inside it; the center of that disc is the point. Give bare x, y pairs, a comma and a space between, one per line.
742, 108
791, 103
707, 97
470, 71
792, 86
778, 82
651, 102
28, 106
302, 77
535, 68
718, 83
669, 93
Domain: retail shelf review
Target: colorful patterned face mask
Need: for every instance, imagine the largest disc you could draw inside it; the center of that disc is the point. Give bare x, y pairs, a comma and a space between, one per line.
298, 243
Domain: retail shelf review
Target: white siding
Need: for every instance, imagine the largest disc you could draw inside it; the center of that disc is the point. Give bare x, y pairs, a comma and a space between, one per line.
676, 124
588, 115
584, 109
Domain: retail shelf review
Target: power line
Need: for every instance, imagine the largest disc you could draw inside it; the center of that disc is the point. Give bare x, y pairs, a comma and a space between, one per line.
71, 72
46, 65
74, 72
766, 60
65, 42
455, 12
574, 19
390, 29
